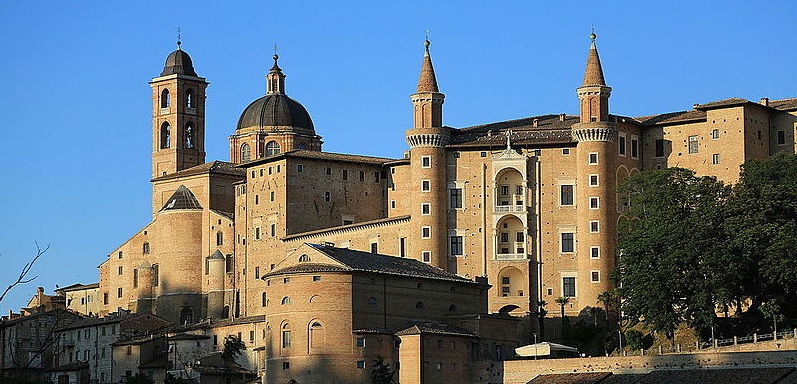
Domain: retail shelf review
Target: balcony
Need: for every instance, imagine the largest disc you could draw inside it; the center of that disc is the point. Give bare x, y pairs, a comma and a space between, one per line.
509, 209
165, 111
510, 256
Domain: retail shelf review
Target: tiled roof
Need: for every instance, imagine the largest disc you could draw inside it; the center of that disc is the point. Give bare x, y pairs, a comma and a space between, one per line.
673, 117
310, 267
571, 378
228, 215
188, 336
623, 378
348, 226
78, 287
726, 376
784, 104
358, 261
220, 167
306, 154
182, 198
733, 101
417, 328
550, 129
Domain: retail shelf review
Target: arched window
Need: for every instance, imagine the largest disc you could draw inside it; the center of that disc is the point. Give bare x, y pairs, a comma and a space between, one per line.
272, 148
219, 238
145, 248
286, 335
286, 300
304, 258
225, 313
245, 152
316, 333
165, 99
419, 305
263, 300
189, 99
186, 316
189, 135
301, 146
166, 135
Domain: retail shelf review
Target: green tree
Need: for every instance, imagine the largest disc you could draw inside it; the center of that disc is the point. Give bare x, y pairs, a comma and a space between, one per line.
233, 347
672, 249
381, 373
771, 310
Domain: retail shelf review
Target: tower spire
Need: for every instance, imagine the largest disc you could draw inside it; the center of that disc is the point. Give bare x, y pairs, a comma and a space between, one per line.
427, 82
594, 73
179, 42
275, 79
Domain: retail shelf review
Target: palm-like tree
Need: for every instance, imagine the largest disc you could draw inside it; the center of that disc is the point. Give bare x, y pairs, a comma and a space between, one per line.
562, 301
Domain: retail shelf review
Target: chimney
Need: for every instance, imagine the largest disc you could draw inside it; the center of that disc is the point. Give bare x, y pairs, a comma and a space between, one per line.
562, 117
535, 123
764, 101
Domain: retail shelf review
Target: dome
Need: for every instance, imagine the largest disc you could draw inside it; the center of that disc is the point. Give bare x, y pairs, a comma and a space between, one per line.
275, 110
179, 63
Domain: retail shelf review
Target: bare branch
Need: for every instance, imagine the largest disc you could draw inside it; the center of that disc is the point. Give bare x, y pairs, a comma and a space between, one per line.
23, 279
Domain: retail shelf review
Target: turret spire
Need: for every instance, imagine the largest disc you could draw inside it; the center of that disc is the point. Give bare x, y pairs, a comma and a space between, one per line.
427, 82
594, 73
275, 79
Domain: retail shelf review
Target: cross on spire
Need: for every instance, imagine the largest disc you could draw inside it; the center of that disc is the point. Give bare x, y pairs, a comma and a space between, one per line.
178, 38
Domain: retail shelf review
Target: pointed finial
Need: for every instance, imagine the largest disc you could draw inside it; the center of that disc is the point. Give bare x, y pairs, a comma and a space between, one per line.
178, 39
426, 43
508, 134
593, 36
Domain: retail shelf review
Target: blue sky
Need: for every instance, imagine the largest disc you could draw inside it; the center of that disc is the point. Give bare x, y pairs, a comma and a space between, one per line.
75, 107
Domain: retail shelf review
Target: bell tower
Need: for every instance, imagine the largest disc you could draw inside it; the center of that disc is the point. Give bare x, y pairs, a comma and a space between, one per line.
178, 116
427, 140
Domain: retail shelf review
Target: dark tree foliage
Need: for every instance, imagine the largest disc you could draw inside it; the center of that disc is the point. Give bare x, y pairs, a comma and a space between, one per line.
233, 347
674, 265
381, 373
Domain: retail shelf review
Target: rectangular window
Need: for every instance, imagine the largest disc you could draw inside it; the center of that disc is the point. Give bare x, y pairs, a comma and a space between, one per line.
715, 158
362, 175
361, 342
271, 195
120, 269
105, 297
621, 144
569, 286
426, 256
566, 194
374, 247
567, 242
504, 190
403, 247
360, 364
316, 278
456, 246
595, 252
715, 134
593, 180
392, 204
425, 186
328, 170
426, 161
257, 272
426, 232
519, 237
327, 196
120, 255
299, 167
693, 144
565, 151
135, 278
119, 293
595, 276
455, 198
659, 147
504, 237
286, 339
376, 177
593, 202
594, 226
426, 209
286, 365
345, 174
257, 233
593, 158
781, 137
634, 147
273, 230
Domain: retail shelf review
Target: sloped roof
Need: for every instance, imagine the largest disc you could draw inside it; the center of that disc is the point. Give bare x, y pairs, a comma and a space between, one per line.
218, 167
673, 117
358, 261
329, 156
426, 327
550, 129
182, 198
750, 375
784, 104
571, 378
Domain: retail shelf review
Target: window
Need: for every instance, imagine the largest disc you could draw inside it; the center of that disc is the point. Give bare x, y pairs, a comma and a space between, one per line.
455, 198
328, 171
189, 99
569, 286
693, 144
456, 246
257, 233
263, 299
345, 174
286, 300
166, 135
392, 204
362, 175
595, 276
187, 316
304, 259
286, 365
595, 252
120, 269
565, 151
257, 272
360, 364
374, 248
120, 255
229, 264
426, 209
426, 256
621, 144
145, 248
594, 226
715, 158
425, 186
566, 194
299, 168
119, 293
503, 190
245, 152
634, 147
316, 278
593, 202
426, 232
271, 195
286, 336
105, 297
781, 137
419, 305
567, 242
189, 135
273, 230
129, 350
483, 154
166, 99
135, 278
361, 342
426, 161
593, 158
403, 247
272, 148
715, 134
659, 147
219, 238
327, 196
